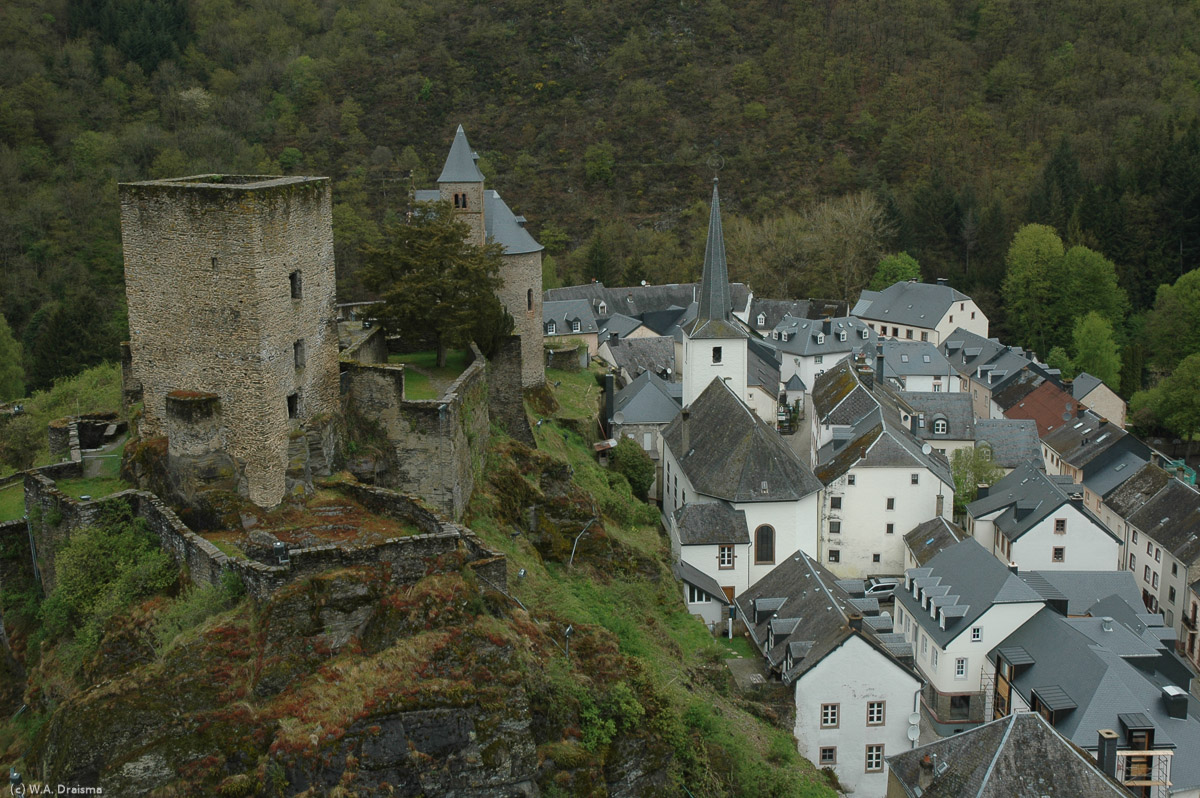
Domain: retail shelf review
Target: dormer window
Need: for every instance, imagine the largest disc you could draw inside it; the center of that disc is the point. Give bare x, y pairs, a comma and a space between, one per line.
842, 336
865, 333
783, 336
820, 338
602, 308
940, 426
575, 326
551, 328
762, 319
775, 334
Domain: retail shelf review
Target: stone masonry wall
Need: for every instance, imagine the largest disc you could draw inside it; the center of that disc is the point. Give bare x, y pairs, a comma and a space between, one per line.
409, 558
208, 265
436, 446
506, 397
371, 349
520, 275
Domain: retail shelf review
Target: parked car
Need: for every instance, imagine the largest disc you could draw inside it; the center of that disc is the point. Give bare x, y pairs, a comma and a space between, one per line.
881, 587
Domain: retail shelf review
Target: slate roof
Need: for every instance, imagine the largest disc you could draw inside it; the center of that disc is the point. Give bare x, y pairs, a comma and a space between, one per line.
637, 300
502, 225
1111, 468
714, 316
1013, 757
802, 336
1077, 656
1083, 439
460, 163
1083, 589
762, 366
646, 400
733, 454
953, 408
794, 383
709, 523
911, 303
564, 313
697, 578
1172, 518
839, 397
774, 310
927, 539
966, 351
1083, 384
1026, 497
637, 355
1013, 440
661, 321
804, 604
1133, 494
618, 323
914, 358
1045, 405
879, 440
975, 577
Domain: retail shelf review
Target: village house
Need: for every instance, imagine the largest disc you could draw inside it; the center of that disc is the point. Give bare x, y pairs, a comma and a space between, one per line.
926, 539
917, 366
942, 420
569, 320
1048, 406
1089, 450
631, 357
954, 609
765, 315
916, 311
1039, 522
1008, 442
810, 347
855, 691
1103, 400
997, 376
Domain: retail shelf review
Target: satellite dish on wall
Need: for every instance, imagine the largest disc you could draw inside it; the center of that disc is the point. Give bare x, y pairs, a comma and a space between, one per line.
618, 417
914, 733
926, 449
914, 719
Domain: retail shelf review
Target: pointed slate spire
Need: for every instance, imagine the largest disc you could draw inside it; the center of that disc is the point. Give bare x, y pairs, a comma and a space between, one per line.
460, 163
715, 302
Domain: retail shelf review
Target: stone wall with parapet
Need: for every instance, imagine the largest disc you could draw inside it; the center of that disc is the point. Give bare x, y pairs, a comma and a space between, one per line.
409, 558
506, 395
370, 349
569, 359
521, 293
436, 447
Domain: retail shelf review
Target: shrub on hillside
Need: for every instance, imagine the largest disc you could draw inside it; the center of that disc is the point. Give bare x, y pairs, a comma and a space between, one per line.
632, 461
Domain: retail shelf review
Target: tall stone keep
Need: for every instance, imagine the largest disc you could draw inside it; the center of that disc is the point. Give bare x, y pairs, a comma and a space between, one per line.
230, 287
490, 219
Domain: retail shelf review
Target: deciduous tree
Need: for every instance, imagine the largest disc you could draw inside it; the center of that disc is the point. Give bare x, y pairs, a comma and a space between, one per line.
1095, 350
12, 376
896, 268
1172, 326
971, 468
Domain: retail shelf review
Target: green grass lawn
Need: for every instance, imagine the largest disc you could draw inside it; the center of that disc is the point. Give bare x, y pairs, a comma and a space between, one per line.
96, 487
12, 501
577, 392
425, 380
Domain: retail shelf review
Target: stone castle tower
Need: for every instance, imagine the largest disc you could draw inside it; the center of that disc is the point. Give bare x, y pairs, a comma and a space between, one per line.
490, 219
231, 291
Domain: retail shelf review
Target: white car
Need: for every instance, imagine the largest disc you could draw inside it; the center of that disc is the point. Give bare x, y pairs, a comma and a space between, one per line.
881, 587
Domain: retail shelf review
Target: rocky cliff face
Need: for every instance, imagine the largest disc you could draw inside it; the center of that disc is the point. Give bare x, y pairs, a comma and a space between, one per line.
348, 683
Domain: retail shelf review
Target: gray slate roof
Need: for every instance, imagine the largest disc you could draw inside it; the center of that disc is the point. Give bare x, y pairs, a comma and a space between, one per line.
714, 318
646, 400
1013, 440
460, 163
697, 578
1078, 657
1028, 496
810, 337
1083, 589
927, 539
967, 351
1012, 757
802, 602
1083, 384
953, 408
637, 355
879, 440
762, 366
734, 455
709, 523
978, 580
618, 323
564, 313
637, 300
774, 310
1080, 441
1140, 488
794, 383
911, 303
1112, 467
1172, 518
839, 397
914, 358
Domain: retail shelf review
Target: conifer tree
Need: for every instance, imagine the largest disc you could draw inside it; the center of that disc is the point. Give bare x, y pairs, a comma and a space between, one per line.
12, 376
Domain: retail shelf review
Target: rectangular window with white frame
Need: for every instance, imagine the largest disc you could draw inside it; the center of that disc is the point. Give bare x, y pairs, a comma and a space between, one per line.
960, 668
697, 596
875, 758
725, 557
875, 713
829, 716
976, 634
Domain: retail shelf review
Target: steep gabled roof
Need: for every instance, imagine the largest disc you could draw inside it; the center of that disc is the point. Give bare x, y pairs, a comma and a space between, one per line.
563, 313
839, 397
734, 455
636, 300
800, 602
1013, 441
911, 303
811, 337
952, 407
1140, 488
1027, 497
1046, 405
714, 316
927, 539
967, 351
646, 400
1018, 755
637, 355
1086, 437
914, 358
460, 163
1083, 384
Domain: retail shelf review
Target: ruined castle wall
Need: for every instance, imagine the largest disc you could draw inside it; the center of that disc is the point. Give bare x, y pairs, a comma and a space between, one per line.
54, 516
371, 349
437, 446
208, 265
521, 294
506, 396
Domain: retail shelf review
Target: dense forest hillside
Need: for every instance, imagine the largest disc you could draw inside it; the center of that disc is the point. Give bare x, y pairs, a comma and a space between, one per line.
840, 130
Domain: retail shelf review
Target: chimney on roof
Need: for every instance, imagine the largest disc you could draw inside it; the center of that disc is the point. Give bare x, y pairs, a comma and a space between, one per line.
941, 281
856, 622
865, 375
1106, 623
1106, 752
683, 430
614, 339
981, 490
1176, 701
827, 326
1012, 566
